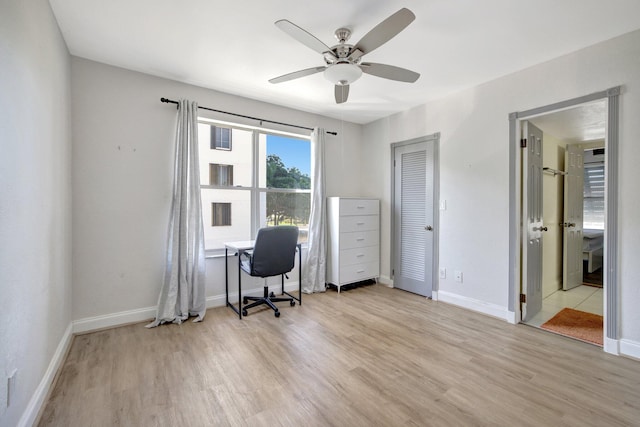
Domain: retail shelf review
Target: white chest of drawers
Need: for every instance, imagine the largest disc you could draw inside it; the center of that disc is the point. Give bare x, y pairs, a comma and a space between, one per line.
354, 240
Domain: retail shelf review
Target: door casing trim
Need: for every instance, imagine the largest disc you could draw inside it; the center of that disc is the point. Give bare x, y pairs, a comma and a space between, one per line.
611, 309
435, 138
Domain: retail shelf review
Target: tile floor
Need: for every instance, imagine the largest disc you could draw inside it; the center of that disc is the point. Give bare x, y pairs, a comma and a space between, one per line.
583, 298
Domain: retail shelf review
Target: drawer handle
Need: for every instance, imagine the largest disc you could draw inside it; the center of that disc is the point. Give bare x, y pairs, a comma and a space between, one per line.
360, 207
359, 223
360, 239
360, 271
359, 255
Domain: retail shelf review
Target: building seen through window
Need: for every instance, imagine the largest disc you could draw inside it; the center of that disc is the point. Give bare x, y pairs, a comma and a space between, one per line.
254, 179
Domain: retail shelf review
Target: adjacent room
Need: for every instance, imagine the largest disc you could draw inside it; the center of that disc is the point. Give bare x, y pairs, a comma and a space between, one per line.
336, 213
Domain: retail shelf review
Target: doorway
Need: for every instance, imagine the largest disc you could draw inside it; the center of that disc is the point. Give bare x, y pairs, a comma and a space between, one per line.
414, 214
570, 227
558, 235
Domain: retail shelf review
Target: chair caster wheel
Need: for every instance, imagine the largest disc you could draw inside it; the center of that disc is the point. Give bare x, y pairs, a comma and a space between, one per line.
292, 303
244, 312
272, 295
277, 314
245, 300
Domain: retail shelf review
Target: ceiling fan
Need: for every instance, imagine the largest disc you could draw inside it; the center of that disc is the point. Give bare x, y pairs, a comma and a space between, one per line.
343, 61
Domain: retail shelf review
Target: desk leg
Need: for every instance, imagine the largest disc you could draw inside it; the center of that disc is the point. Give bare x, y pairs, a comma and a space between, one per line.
239, 288
300, 274
226, 282
299, 298
226, 274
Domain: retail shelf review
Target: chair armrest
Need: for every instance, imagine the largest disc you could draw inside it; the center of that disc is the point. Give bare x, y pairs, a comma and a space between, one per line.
247, 253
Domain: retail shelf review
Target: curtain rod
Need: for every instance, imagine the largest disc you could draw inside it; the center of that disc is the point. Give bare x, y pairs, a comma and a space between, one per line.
170, 101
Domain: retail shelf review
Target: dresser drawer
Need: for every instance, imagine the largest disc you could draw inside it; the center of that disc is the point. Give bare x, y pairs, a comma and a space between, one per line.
358, 207
359, 272
359, 255
359, 239
359, 223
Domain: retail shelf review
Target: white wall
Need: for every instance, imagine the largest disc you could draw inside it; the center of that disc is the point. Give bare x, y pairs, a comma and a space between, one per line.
123, 139
35, 204
474, 160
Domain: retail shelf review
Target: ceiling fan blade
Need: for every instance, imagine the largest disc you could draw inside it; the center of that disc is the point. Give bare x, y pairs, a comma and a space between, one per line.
389, 72
386, 30
302, 36
342, 93
297, 74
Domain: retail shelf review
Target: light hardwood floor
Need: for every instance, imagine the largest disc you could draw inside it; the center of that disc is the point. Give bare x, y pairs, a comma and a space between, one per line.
370, 356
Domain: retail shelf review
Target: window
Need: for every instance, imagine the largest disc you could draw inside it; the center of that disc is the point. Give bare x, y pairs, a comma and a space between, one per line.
220, 138
264, 181
594, 179
220, 174
220, 214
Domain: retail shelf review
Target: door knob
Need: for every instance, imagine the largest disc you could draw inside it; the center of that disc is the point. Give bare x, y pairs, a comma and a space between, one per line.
428, 228
540, 229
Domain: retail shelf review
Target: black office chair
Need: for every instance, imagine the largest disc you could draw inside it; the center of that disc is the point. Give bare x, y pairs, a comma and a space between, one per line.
273, 254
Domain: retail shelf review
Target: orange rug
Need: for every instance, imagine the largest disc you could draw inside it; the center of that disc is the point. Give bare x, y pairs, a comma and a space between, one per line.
576, 324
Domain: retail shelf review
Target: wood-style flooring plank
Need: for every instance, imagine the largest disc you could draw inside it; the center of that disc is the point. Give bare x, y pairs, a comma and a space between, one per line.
370, 356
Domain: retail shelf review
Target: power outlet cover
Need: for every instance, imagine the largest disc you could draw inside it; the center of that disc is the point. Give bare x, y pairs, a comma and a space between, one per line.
443, 273
458, 276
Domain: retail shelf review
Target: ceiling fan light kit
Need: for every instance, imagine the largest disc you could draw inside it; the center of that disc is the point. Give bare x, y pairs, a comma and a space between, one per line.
342, 61
342, 73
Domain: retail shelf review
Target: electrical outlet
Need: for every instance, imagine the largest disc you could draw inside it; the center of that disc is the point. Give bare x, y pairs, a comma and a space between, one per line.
458, 276
443, 205
443, 273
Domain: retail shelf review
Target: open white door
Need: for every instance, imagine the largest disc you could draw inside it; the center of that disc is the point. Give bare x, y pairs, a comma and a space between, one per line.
531, 302
572, 220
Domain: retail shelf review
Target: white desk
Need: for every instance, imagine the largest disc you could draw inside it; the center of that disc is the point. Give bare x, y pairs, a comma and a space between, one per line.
238, 248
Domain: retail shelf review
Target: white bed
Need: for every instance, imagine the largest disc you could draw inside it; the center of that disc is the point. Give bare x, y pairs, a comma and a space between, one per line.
592, 248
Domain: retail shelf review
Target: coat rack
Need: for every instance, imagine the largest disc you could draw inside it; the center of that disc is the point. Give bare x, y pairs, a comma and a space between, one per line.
553, 172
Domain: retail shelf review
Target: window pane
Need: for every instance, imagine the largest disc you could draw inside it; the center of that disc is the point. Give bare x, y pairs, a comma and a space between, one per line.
225, 206
285, 162
221, 174
287, 209
239, 157
593, 210
220, 214
220, 138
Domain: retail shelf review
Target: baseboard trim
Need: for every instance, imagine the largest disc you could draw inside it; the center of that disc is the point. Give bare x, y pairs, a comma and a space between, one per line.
385, 280
96, 323
36, 404
630, 348
474, 304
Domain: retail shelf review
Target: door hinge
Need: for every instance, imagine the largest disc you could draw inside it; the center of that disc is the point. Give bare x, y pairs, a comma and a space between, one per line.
523, 143
523, 298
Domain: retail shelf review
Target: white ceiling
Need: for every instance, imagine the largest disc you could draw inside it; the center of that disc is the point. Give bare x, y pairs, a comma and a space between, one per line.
234, 46
583, 123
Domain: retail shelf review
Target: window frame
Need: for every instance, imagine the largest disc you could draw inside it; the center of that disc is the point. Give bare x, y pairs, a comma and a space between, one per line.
255, 190
588, 212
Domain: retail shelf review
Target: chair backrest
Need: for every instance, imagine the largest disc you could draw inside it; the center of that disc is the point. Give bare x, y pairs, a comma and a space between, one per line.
274, 252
